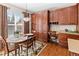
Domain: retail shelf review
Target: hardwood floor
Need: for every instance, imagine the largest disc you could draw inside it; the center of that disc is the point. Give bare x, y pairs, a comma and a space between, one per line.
53, 49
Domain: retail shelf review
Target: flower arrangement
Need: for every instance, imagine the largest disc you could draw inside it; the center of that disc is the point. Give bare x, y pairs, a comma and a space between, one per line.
16, 33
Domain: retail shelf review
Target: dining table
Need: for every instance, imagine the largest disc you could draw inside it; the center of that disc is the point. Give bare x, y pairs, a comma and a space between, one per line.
17, 40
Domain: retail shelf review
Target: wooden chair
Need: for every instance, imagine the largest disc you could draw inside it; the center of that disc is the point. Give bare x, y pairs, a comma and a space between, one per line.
28, 44
73, 47
52, 36
7, 47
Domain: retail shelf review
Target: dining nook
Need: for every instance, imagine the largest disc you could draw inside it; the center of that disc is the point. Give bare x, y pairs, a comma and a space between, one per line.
16, 36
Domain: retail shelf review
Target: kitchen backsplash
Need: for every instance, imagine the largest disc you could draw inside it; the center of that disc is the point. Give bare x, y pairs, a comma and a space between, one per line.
62, 27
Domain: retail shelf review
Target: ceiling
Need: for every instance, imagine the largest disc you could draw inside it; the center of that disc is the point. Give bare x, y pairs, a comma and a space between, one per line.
34, 7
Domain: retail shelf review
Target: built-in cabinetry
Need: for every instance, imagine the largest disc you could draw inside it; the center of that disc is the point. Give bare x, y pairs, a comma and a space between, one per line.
54, 16
78, 19
33, 17
64, 16
63, 37
40, 25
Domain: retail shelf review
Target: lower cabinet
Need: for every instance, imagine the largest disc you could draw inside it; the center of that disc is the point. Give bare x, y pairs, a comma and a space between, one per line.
63, 37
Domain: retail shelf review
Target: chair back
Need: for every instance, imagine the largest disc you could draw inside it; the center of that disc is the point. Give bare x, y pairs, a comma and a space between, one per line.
3, 44
31, 40
52, 33
73, 45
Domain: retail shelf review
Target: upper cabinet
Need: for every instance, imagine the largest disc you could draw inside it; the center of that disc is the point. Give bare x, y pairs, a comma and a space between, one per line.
54, 16
64, 16
73, 14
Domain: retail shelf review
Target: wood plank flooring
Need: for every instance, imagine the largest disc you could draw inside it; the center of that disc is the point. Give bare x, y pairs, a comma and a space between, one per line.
53, 49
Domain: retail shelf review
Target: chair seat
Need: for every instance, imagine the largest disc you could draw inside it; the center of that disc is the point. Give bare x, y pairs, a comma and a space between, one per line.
27, 46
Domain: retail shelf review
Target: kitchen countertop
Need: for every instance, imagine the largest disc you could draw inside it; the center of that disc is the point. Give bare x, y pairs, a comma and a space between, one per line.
67, 32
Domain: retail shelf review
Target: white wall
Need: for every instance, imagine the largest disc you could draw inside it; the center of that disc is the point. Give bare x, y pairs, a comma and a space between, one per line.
62, 27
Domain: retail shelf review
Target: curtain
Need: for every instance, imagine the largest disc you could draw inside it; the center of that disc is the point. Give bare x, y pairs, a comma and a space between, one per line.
3, 22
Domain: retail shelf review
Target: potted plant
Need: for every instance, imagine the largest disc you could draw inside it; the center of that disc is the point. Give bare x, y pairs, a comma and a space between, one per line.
16, 33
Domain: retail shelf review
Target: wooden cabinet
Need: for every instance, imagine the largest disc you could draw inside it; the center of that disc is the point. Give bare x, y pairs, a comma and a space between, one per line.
45, 25
64, 16
54, 16
78, 19
40, 25
34, 24
73, 14
62, 37
33, 16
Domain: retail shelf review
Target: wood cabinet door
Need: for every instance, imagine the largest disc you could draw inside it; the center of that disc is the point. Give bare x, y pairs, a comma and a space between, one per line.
78, 19
65, 16
45, 26
34, 24
61, 17
62, 39
72, 15
39, 21
54, 16
51, 16
33, 21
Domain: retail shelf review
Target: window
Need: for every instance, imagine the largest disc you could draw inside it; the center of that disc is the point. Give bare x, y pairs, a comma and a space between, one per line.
14, 21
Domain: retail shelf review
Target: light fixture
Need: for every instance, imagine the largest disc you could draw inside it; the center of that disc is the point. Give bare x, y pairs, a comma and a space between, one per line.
26, 19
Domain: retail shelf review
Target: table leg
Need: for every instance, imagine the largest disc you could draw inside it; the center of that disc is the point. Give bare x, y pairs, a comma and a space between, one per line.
16, 52
19, 51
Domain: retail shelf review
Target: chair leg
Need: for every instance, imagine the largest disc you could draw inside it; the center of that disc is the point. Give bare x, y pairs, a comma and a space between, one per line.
27, 51
7, 54
16, 52
34, 44
33, 48
19, 51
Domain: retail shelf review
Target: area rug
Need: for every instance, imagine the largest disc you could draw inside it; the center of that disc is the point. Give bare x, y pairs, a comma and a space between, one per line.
37, 49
